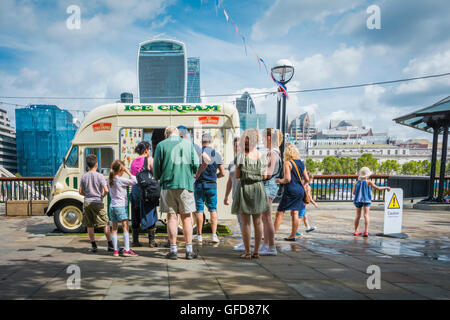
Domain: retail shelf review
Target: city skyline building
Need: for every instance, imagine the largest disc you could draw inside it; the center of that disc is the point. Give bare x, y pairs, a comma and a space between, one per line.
193, 80
248, 118
8, 152
162, 71
302, 127
44, 135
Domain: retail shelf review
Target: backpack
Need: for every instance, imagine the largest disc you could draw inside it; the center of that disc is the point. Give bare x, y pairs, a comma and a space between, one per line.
150, 189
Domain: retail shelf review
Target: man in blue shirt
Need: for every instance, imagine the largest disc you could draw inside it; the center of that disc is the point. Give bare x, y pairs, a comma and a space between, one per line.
205, 187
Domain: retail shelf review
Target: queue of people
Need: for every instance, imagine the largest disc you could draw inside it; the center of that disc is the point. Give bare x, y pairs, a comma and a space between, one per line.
187, 177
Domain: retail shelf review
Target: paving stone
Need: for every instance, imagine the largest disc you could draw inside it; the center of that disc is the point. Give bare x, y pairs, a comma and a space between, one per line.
324, 289
427, 290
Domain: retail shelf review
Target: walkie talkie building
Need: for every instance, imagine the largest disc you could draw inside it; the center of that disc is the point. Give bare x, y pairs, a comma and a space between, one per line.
161, 70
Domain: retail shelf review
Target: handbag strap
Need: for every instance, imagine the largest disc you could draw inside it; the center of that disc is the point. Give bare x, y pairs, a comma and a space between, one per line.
296, 168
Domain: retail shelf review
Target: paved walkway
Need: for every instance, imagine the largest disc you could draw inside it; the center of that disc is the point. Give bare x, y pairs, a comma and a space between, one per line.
326, 264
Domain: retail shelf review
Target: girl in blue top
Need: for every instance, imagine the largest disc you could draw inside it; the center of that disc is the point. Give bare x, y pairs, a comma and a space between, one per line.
362, 191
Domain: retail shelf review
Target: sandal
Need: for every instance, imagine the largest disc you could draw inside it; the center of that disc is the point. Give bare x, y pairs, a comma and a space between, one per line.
255, 256
357, 233
289, 239
365, 234
246, 256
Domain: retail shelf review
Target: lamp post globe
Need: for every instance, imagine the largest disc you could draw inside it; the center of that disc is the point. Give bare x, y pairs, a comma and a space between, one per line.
283, 72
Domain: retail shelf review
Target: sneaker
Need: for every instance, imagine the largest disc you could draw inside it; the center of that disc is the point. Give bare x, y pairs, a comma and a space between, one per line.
172, 256
239, 247
365, 234
129, 253
93, 250
263, 247
215, 238
110, 249
298, 234
116, 253
191, 255
266, 251
198, 238
310, 229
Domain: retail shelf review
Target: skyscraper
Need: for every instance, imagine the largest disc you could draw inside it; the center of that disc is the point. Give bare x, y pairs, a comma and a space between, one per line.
193, 80
8, 156
248, 117
161, 70
44, 135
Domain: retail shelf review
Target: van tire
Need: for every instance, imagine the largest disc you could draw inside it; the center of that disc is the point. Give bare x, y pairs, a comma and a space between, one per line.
68, 217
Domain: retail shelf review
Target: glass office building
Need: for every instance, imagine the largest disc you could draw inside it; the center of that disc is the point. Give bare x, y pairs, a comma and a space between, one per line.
44, 135
161, 71
248, 117
193, 80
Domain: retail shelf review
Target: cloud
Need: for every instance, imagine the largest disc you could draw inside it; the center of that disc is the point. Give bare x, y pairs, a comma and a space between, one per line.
284, 15
343, 63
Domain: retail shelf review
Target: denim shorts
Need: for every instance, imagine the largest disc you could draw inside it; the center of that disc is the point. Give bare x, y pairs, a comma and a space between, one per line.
271, 188
118, 213
204, 196
301, 213
362, 204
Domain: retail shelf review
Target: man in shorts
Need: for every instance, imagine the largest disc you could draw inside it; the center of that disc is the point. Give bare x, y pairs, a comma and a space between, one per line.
93, 188
174, 165
205, 187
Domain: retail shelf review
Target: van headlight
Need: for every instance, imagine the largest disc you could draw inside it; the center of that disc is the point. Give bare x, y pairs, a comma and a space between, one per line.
58, 188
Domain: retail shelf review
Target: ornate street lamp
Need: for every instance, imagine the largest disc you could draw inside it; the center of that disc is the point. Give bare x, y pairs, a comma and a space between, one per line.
283, 71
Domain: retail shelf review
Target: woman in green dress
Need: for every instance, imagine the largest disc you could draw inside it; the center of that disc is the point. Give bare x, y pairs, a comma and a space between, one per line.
250, 199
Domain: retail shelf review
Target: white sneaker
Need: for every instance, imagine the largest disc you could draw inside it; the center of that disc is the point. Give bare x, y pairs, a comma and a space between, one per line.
267, 251
239, 247
263, 247
198, 238
215, 238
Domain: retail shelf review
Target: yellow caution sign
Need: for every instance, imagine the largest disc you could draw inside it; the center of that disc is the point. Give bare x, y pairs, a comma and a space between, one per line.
393, 204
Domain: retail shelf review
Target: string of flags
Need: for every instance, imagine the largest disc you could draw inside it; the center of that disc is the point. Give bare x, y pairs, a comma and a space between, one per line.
218, 5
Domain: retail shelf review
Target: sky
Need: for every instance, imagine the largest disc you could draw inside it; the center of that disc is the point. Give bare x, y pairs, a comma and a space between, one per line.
327, 41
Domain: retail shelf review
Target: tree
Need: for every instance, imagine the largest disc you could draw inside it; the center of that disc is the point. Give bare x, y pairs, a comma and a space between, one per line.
331, 165
348, 165
367, 160
312, 166
390, 167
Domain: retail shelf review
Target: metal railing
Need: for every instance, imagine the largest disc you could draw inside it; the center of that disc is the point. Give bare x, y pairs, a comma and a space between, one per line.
339, 187
324, 187
25, 188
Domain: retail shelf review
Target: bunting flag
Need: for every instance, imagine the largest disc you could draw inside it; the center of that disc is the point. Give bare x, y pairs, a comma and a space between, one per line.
226, 15
218, 5
235, 26
267, 71
245, 47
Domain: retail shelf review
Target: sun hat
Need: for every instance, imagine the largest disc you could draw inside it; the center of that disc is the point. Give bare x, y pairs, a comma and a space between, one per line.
364, 173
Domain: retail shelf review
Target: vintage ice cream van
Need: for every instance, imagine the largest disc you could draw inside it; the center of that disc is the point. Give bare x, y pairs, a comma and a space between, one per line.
112, 131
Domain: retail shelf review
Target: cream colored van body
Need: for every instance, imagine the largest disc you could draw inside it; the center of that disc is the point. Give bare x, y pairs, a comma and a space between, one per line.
112, 131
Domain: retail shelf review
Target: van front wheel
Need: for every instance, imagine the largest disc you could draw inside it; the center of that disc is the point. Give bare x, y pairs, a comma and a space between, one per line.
68, 217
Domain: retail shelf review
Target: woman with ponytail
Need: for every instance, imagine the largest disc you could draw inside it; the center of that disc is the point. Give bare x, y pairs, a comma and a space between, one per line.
118, 208
138, 208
